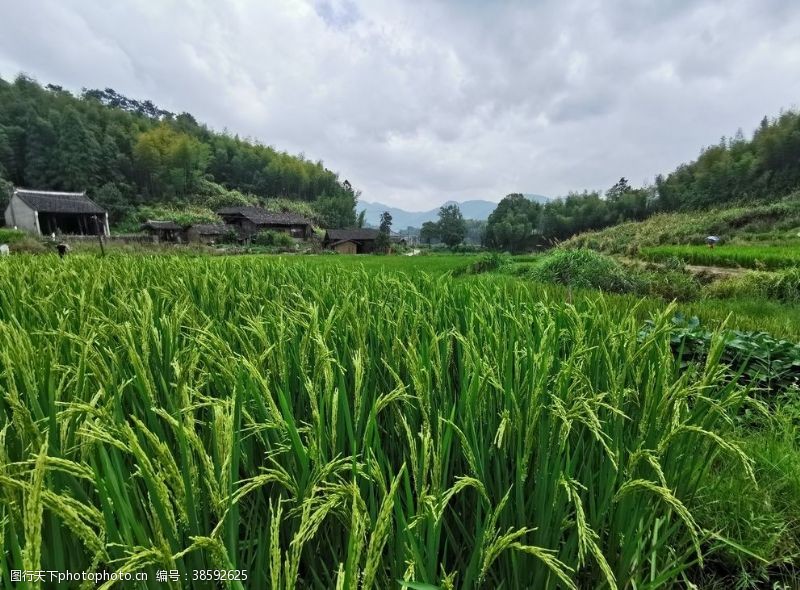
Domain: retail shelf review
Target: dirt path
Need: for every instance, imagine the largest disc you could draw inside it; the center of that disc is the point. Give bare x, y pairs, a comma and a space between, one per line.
717, 271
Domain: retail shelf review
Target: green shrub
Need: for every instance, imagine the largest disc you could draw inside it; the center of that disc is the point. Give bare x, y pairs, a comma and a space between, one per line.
669, 284
781, 219
11, 236
585, 269
779, 286
485, 263
270, 237
20, 242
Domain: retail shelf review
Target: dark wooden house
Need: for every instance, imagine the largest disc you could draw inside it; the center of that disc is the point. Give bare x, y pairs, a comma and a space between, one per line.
163, 231
51, 212
351, 241
248, 221
206, 233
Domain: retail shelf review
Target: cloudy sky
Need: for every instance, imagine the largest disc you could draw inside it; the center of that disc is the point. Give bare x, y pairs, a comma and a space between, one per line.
418, 101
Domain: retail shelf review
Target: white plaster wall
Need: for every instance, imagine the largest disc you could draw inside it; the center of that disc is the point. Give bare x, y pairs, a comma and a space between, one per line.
20, 215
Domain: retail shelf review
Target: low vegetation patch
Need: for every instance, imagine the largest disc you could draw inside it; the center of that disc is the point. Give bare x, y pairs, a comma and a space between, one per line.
21, 242
277, 239
777, 222
765, 363
587, 269
734, 255
783, 286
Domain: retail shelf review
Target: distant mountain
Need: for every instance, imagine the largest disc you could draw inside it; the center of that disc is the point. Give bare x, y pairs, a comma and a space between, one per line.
401, 218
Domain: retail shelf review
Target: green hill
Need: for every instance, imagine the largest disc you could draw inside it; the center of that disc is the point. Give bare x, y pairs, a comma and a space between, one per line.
770, 223
133, 157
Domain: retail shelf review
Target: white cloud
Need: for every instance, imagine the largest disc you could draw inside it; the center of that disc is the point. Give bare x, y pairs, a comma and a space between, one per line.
419, 102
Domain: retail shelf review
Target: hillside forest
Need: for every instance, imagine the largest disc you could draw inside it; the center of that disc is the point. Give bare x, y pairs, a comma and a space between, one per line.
132, 156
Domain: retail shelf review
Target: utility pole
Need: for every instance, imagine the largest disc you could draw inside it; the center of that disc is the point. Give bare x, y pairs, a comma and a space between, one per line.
99, 235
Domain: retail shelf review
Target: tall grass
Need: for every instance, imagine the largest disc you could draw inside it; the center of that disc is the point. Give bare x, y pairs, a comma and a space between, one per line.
750, 256
331, 429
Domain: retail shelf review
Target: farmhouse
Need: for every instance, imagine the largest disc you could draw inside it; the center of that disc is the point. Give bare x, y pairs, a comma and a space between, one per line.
205, 232
250, 220
163, 231
351, 241
48, 212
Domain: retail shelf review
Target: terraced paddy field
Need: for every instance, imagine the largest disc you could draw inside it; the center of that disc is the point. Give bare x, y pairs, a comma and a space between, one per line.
328, 424
734, 255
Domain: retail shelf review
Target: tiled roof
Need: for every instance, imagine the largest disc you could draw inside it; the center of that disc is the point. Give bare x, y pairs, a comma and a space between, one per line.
58, 202
158, 224
209, 229
355, 234
261, 216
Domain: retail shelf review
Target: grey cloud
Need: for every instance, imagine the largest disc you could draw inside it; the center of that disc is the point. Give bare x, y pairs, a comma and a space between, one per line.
418, 102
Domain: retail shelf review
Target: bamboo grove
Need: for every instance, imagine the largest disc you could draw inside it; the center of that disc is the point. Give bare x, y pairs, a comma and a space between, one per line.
330, 428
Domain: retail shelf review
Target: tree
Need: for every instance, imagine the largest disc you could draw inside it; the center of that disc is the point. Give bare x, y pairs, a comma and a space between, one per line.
386, 223
382, 242
429, 232
170, 163
338, 210
452, 228
618, 190
362, 218
513, 225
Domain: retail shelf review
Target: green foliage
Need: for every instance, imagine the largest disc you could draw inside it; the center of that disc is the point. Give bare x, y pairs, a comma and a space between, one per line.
490, 262
11, 236
749, 256
278, 239
755, 358
777, 222
514, 225
5, 194
769, 520
584, 269
102, 141
451, 226
112, 199
337, 211
429, 232
580, 212
587, 269
169, 163
779, 286
183, 215
238, 413
737, 168
382, 242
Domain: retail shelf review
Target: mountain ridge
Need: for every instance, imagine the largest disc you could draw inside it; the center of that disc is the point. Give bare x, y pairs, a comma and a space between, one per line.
478, 209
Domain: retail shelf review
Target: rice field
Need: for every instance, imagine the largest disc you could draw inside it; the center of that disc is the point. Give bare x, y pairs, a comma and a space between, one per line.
324, 426
733, 255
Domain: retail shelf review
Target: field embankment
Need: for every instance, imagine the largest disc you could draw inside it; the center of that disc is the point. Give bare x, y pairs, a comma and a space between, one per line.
754, 256
774, 223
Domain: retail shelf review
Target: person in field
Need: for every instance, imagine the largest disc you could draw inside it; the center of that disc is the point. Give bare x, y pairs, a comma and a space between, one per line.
63, 249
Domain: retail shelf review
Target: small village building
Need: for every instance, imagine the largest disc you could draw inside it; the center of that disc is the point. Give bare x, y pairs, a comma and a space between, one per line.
162, 231
52, 212
345, 247
248, 221
351, 241
206, 233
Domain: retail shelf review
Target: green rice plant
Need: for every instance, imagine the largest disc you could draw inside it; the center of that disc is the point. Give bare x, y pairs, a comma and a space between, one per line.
746, 256
329, 428
782, 286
